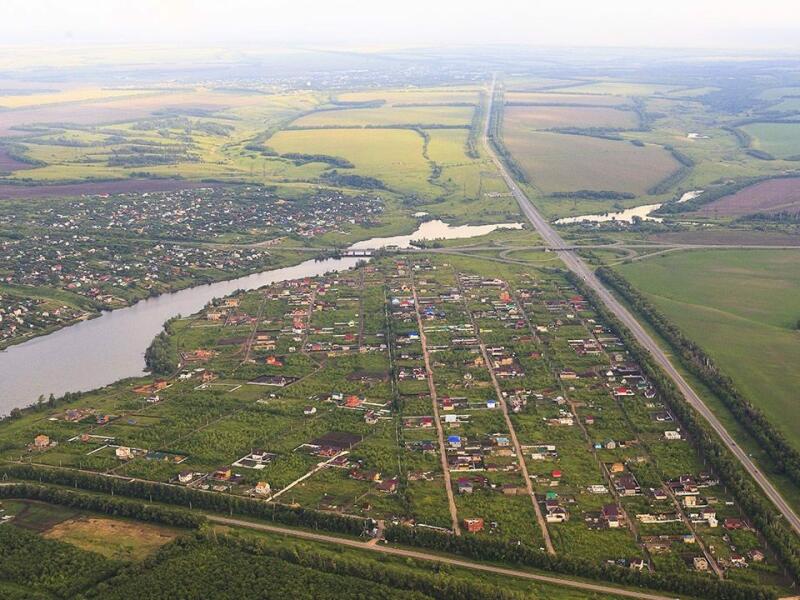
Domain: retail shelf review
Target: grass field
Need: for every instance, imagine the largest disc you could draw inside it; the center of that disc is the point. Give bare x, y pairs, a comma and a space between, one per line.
742, 307
547, 117
406, 115
557, 162
782, 140
392, 155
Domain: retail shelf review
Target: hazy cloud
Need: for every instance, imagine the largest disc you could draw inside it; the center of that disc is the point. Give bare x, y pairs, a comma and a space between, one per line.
696, 23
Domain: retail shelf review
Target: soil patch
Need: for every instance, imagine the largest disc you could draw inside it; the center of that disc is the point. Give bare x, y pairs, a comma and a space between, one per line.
771, 196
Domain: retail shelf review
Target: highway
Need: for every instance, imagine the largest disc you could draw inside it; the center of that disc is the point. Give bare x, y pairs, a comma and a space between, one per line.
575, 264
456, 562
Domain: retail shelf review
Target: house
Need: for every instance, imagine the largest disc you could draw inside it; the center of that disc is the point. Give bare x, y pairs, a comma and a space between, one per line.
464, 486
638, 564
626, 485
556, 514
589, 420
611, 515
617, 467
700, 563
310, 410
185, 476
41, 441
737, 560
732, 523
262, 488
672, 435
388, 486
756, 555
123, 453
473, 525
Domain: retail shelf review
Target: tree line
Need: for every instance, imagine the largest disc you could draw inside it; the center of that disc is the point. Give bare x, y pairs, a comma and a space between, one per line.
496, 550
188, 497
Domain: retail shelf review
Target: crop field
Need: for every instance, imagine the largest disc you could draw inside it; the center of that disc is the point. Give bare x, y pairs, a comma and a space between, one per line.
392, 97
558, 162
453, 393
405, 115
514, 96
548, 117
621, 88
742, 308
771, 196
67, 95
781, 140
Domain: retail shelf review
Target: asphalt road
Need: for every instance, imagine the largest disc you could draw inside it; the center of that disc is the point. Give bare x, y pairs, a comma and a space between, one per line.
385, 549
575, 264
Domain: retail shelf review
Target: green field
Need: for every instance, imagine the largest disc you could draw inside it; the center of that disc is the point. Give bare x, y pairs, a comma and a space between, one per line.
742, 307
557, 162
392, 155
782, 140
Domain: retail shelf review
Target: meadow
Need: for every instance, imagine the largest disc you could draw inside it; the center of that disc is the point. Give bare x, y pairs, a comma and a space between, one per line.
742, 307
781, 140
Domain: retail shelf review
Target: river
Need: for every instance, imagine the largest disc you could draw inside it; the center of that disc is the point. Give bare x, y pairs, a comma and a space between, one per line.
627, 215
100, 351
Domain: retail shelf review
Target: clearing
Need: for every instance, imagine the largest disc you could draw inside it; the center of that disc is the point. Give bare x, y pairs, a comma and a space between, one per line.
120, 540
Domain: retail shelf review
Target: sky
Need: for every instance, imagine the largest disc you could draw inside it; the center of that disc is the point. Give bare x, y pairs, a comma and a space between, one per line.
358, 23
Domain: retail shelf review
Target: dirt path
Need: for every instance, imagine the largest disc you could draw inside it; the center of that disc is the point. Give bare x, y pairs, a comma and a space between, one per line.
435, 403
548, 543
456, 562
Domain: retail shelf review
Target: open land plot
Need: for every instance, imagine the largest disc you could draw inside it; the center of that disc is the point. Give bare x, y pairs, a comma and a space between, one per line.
771, 196
394, 156
781, 140
742, 308
112, 538
80, 94
558, 162
407, 115
441, 95
512, 96
787, 105
548, 117
622, 88
779, 92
